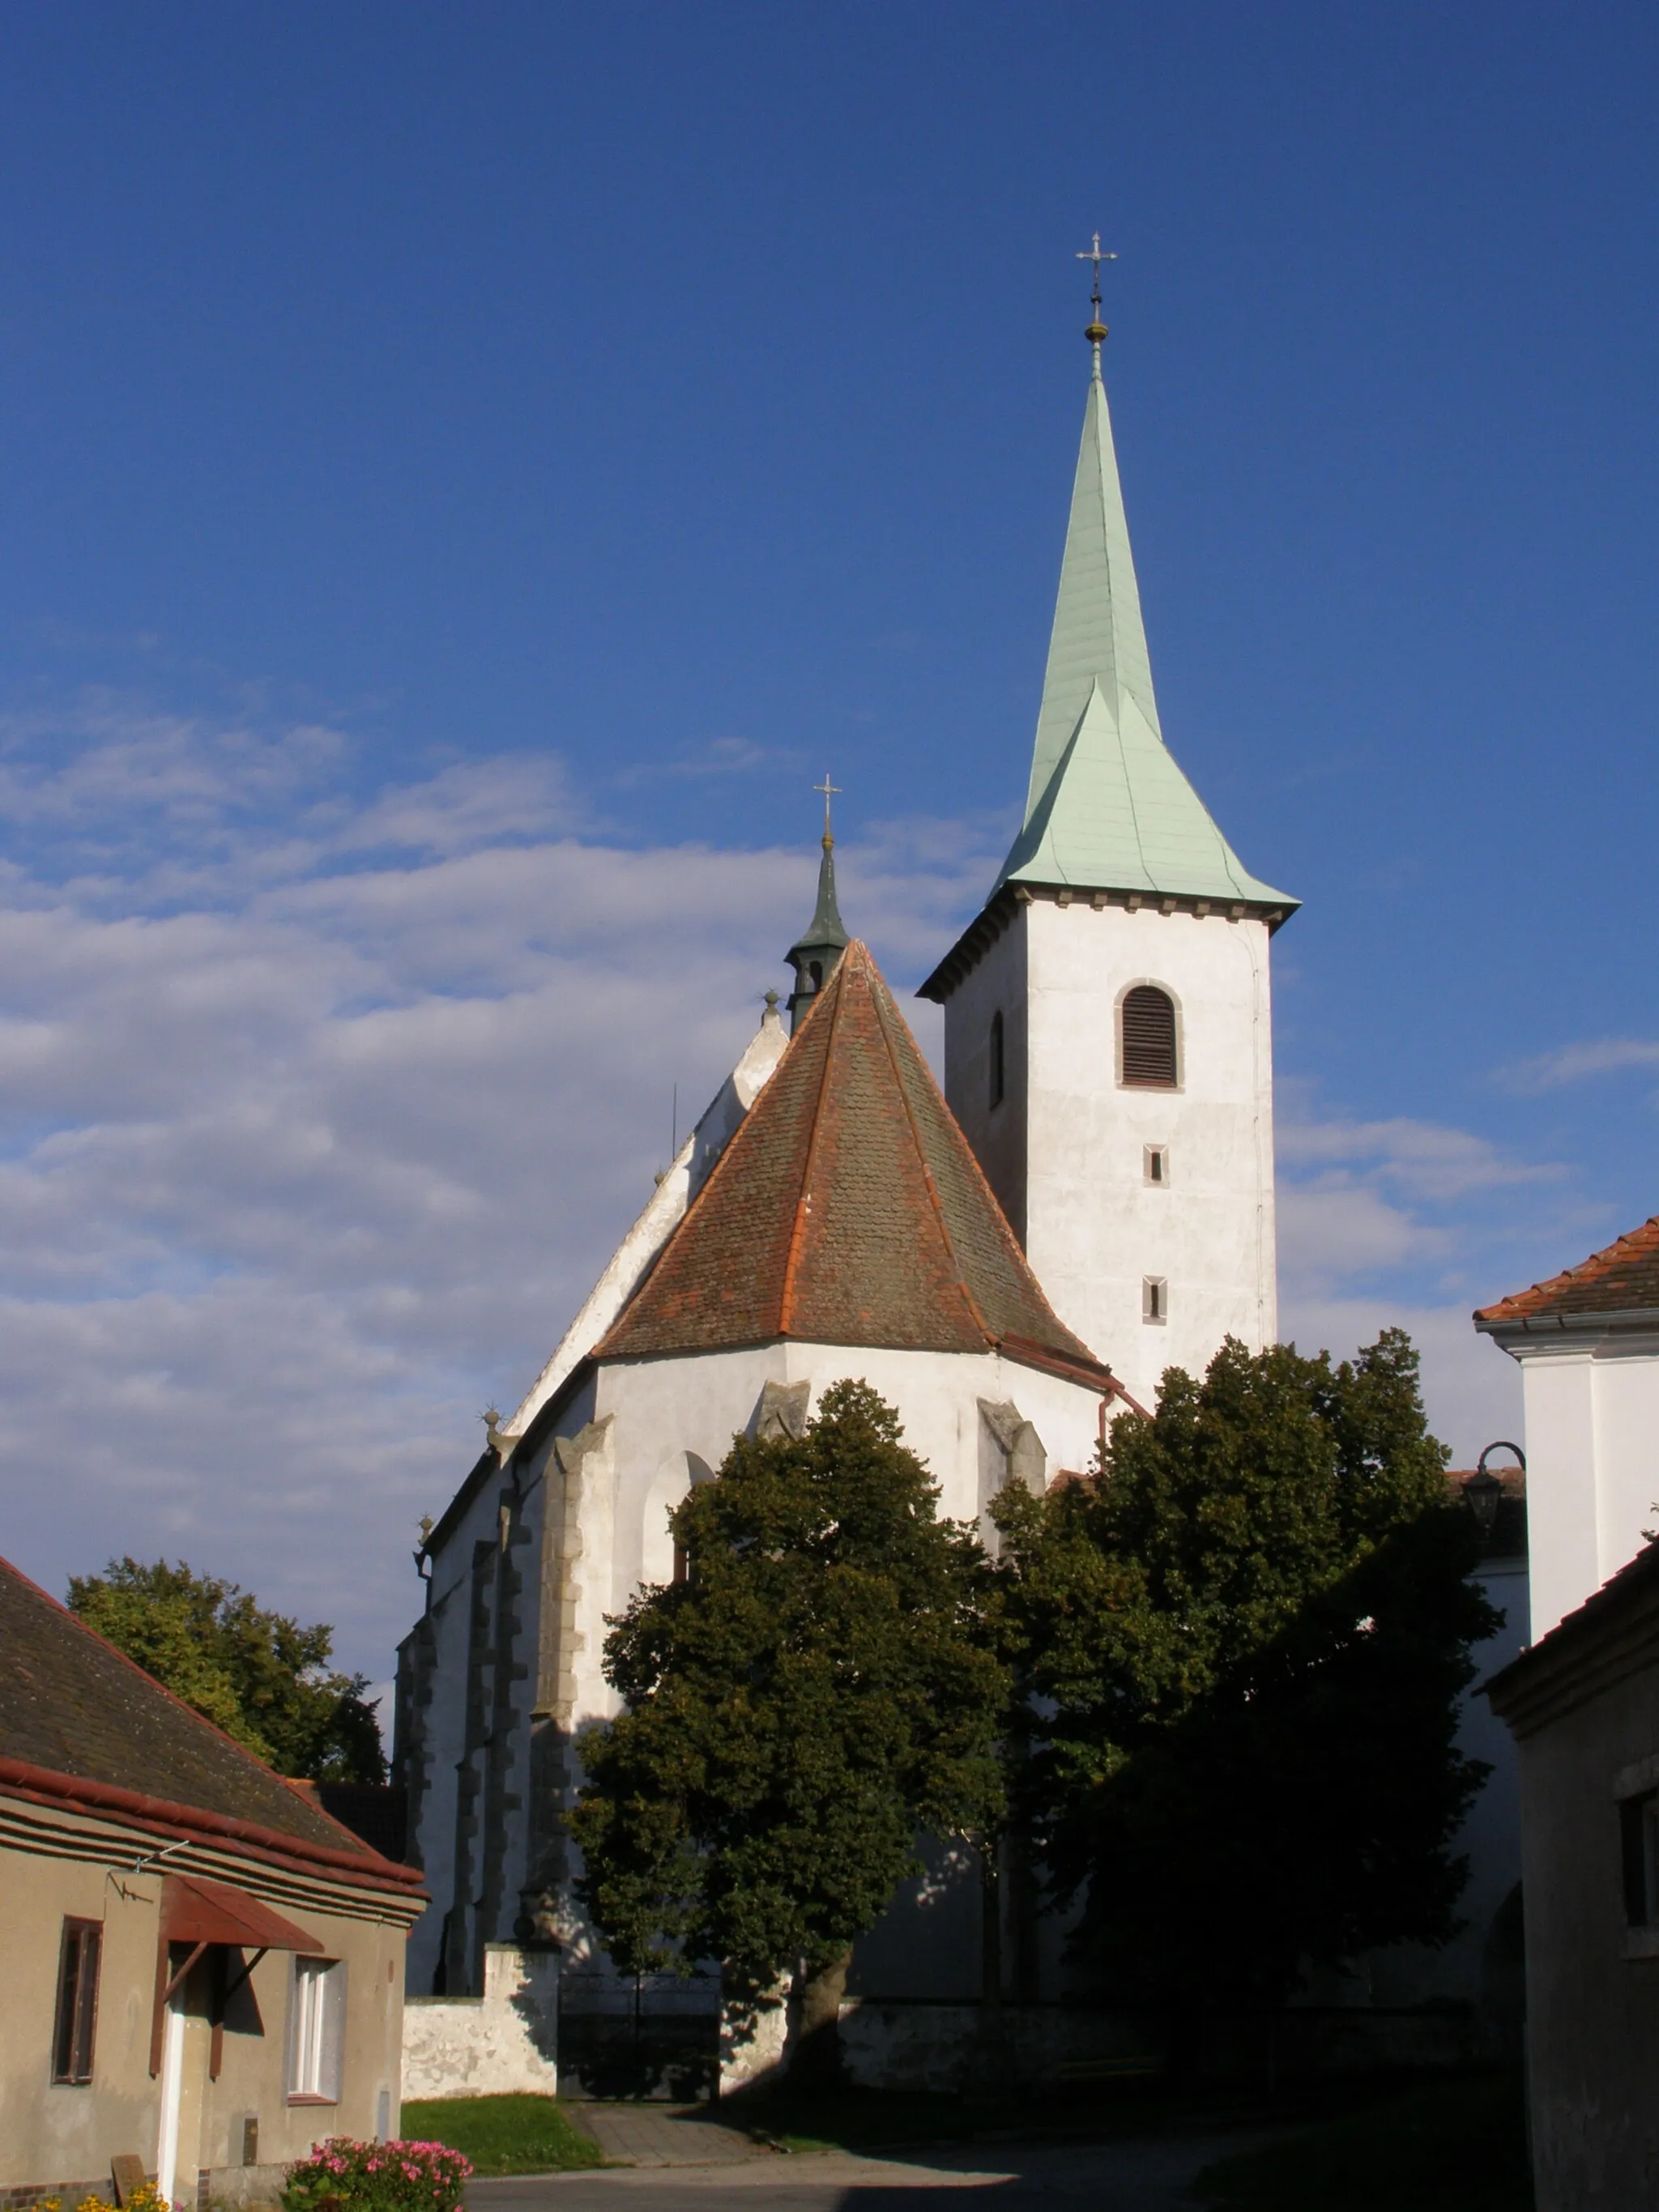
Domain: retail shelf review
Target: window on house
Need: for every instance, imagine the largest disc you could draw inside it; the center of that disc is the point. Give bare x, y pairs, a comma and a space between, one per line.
1156, 1165
316, 2031
1154, 1298
1148, 1017
998, 1072
1639, 1821
77, 2001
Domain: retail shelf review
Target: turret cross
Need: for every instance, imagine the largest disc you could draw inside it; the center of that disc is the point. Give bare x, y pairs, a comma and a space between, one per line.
1096, 332
830, 790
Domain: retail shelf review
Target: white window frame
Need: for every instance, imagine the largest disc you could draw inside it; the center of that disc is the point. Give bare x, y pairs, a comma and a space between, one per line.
316, 2031
1159, 1179
1154, 1300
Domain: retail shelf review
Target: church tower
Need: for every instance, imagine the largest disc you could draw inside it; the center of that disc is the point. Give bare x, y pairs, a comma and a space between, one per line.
1108, 1040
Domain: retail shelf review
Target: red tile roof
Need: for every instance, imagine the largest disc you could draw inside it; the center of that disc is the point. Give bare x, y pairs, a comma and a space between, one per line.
80, 1721
849, 1209
1623, 1279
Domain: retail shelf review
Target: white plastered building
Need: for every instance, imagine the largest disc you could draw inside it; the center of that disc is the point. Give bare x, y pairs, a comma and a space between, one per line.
1094, 1204
1586, 1343
827, 1220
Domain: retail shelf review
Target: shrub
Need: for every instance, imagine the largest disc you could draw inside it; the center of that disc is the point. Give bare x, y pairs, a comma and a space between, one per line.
342, 2176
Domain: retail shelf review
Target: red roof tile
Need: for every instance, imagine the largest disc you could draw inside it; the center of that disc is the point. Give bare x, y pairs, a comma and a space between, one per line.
79, 1718
847, 1209
1623, 1279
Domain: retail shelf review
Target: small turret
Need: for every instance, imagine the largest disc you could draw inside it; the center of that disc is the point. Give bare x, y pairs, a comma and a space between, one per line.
816, 954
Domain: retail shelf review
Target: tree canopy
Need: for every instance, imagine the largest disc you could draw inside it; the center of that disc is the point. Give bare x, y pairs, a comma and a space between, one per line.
258, 1675
817, 1688
1242, 1647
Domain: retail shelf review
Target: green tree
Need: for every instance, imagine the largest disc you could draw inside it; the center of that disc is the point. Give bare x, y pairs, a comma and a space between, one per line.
1244, 1644
258, 1675
815, 1690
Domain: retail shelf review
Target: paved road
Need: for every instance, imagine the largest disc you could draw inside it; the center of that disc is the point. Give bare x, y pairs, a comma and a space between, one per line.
1149, 2176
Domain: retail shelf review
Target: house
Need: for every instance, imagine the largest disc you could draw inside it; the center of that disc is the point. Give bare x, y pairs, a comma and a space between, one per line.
1582, 1704
1586, 1343
203, 1970
1089, 1202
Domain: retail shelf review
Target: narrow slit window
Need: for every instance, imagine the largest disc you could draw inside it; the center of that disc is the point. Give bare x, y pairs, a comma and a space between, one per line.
1639, 1821
1148, 1017
998, 1064
1156, 1160
77, 2002
1154, 1298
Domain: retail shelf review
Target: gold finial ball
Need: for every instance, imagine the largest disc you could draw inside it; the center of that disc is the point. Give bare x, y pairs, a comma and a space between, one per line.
1096, 333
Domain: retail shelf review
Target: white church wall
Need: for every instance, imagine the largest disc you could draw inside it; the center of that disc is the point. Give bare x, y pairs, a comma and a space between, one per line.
926, 1943
1592, 1439
621, 1455
1095, 1226
449, 1620
432, 1844
667, 1409
1467, 1969
995, 1128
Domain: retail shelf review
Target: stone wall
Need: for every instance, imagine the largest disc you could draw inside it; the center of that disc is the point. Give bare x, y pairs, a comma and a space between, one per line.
952, 2047
507, 2040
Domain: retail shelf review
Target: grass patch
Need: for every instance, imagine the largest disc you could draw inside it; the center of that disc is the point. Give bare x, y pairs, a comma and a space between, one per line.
1453, 2147
503, 2135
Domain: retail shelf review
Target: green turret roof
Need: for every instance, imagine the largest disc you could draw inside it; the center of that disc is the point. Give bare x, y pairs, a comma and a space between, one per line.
826, 932
1108, 808
813, 955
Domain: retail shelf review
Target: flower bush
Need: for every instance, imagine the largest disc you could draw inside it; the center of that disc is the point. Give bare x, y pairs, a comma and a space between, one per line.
342, 2176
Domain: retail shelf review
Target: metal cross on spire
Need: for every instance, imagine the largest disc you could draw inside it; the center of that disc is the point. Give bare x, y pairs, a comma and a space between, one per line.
1096, 332
827, 791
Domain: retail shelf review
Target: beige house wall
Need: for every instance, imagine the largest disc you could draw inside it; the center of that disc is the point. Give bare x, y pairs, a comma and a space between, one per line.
51, 1868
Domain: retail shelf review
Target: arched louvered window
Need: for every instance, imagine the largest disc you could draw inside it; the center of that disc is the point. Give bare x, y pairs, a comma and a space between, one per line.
999, 1070
1149, 1039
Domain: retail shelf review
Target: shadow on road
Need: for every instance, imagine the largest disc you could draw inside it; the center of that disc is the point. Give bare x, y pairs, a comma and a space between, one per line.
1149, 2174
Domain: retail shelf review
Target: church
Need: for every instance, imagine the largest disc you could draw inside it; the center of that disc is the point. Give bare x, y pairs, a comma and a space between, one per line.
1009, 1262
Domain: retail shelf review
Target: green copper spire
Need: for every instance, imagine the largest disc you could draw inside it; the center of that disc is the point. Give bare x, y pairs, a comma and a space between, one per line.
815, 954
1108, 808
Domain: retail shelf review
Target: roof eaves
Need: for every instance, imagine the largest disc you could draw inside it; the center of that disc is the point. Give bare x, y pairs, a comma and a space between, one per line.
1493, 1320
1013, 892
156, 1688
490, 1463
1025, 1351
974, 942
1614, 1632
18, 1777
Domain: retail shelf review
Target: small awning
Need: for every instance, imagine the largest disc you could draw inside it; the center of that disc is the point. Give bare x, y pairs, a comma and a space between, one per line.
197, 1911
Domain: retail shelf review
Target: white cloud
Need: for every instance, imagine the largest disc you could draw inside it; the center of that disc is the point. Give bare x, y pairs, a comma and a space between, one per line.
468, 804
317, 1117
320, 1108
1425, 1158
1575, 1063
1331, 1229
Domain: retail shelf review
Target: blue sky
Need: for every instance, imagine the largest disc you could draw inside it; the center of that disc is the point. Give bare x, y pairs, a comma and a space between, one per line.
466, 472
